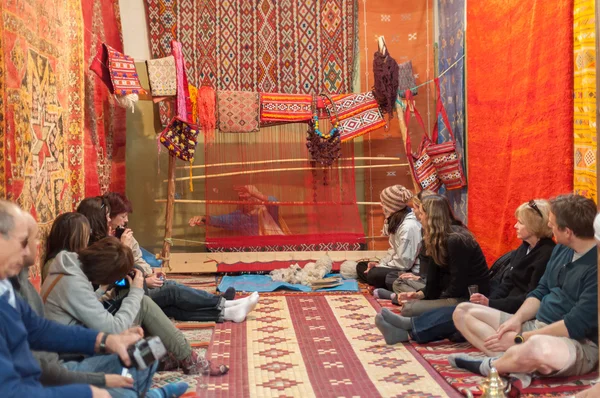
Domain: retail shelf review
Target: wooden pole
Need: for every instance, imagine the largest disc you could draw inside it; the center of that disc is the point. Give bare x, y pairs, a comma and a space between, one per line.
204, 166
242, 202
166, 250
237, 173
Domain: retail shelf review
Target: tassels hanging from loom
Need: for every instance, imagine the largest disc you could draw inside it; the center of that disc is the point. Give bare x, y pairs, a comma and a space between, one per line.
207, 106
191, 175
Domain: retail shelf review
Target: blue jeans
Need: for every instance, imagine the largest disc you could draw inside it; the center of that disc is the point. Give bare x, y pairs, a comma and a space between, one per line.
110, 364
433, 325
187, 304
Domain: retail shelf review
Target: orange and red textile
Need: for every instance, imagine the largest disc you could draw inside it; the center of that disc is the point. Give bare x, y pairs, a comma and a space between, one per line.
520, 112
105, 127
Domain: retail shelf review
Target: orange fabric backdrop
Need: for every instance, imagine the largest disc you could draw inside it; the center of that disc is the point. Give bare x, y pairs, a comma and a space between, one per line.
520, 112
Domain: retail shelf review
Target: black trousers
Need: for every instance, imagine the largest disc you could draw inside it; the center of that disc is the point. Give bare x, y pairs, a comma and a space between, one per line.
375, 277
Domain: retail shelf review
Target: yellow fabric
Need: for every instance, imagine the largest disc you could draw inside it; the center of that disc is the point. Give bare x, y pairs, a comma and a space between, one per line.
194, 100
585, 99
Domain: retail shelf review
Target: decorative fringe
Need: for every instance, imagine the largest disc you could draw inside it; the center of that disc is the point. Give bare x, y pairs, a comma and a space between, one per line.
207, 106
191, 175
127, 101
385, 72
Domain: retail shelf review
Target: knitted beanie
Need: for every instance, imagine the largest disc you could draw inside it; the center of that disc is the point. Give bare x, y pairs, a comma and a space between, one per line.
394, 198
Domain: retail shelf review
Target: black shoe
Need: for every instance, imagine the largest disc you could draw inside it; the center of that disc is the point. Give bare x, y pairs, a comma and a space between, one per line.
229, 293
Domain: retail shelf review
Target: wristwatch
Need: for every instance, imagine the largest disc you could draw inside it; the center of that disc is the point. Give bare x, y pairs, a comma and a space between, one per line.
519, 339
102, 347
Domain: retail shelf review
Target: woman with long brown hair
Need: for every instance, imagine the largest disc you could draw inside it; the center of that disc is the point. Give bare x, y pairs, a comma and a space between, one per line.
457, 261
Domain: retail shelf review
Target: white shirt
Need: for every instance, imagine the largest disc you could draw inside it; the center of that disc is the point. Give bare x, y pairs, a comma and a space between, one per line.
405, 246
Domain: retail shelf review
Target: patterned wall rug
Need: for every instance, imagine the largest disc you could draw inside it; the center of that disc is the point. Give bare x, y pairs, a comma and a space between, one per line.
321, 345
262, 45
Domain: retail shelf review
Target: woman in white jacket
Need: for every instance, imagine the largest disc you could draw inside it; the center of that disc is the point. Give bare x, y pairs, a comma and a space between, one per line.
404, 231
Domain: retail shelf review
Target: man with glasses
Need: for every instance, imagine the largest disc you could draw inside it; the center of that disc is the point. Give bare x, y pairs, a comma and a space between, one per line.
555, 331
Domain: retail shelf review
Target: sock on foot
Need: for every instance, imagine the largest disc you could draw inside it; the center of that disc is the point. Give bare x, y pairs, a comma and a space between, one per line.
391, 334
396, 320
254, 297
480, 366
383, 294
238, 313
229, 293
233, 303
172, 390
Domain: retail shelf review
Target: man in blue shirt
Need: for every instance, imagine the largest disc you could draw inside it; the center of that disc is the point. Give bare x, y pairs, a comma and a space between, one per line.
22, 330
554, 332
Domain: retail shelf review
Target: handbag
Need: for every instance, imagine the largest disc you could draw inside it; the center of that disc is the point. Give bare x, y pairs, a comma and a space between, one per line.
180, 138
420, 163
445, 159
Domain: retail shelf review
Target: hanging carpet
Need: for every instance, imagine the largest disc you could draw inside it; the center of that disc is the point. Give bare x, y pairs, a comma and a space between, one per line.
266, 46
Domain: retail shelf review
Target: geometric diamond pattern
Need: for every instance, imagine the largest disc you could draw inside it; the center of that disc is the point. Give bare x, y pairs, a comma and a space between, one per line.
401, 378
389, 363
273, 353
279, 384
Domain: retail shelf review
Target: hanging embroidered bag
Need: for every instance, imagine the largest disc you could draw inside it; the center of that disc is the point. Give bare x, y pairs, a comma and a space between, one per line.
180, 138
445, 159
358, 114
117, 71
420, 163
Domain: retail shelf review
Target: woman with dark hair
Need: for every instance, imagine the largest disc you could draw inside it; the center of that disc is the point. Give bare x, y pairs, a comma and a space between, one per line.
404, 233
177, 301
70, 299
456, 261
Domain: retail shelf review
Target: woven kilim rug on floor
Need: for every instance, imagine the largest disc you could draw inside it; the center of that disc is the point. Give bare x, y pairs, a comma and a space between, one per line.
315, 345
437, 353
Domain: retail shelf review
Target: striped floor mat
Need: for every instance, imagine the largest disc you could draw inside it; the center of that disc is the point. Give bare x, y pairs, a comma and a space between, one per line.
316, 345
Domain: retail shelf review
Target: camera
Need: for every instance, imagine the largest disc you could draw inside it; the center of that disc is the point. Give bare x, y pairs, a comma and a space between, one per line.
123, 282
146, 351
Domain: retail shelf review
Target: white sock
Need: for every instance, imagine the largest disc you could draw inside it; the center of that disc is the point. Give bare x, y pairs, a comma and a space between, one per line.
233, 303
237, 313
254, 297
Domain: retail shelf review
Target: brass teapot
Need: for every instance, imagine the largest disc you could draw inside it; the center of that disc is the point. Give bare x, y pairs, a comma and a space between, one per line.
492, 387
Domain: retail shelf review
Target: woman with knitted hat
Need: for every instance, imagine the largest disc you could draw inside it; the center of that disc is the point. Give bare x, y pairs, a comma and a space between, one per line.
404, 231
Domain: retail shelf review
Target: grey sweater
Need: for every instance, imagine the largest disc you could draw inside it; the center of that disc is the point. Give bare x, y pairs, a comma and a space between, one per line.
53, 372
73, 301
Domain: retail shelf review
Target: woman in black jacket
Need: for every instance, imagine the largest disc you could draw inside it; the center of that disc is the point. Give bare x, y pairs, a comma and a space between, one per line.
457, 261
527, 265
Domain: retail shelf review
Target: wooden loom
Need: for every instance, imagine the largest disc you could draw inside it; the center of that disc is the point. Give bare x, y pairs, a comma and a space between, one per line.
207, 262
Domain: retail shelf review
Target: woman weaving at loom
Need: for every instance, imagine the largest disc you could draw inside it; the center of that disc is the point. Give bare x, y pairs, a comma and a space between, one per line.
249, 219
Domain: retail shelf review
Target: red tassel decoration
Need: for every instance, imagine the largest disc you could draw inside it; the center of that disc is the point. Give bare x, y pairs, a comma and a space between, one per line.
207, 106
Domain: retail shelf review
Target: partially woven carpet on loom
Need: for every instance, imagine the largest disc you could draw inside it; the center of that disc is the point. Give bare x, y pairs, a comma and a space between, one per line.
267, 46
315, 345
105, 127
520, 118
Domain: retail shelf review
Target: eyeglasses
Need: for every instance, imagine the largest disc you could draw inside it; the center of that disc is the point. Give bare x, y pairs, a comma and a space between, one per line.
535, 207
